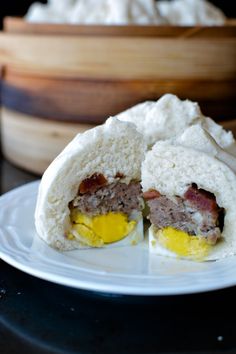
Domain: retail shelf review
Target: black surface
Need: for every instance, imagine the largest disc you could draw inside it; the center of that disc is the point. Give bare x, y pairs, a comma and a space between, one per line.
40, 317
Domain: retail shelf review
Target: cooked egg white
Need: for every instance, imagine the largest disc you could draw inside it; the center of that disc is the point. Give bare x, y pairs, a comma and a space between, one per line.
100, 230
180, 243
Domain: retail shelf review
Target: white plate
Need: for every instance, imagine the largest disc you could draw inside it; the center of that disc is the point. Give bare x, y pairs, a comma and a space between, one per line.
125, 270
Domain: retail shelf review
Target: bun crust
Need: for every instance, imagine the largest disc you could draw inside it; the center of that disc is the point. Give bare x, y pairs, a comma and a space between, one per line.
169, 117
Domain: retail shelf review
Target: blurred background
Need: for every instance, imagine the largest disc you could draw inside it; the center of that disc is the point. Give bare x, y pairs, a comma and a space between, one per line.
19, 7
49, 96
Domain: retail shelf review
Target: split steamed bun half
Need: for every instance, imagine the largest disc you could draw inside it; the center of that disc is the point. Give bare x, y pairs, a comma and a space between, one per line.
90, 196
183, 179
190, 188
169, 117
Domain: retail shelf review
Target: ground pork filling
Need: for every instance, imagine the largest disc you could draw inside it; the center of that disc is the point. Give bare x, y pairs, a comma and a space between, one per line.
197, 213
100, 199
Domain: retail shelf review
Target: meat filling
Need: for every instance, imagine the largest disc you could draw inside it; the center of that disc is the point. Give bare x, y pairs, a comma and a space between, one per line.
197, 213
114, 197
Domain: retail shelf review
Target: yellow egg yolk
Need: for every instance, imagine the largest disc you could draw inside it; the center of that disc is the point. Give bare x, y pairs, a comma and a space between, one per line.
101, 229
183, 244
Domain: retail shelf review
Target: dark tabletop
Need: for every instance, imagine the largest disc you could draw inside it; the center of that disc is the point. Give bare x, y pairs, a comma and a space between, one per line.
40, 317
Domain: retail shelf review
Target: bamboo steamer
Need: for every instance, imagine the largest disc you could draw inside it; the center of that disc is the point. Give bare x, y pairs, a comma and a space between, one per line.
69, 78
20, 145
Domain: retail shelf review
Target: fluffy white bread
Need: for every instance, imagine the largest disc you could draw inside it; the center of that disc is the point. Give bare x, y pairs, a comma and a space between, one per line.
39, 13
108, 149
162, 119
61, 5
171, 169
56, 11
169, 117
223, 138
116, 12
198, 138
191, 12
